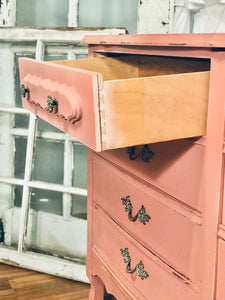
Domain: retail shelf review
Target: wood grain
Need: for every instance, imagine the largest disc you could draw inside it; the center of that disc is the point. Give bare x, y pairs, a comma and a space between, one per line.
139, 105
153, 109
22, 284
133, 66
110, 68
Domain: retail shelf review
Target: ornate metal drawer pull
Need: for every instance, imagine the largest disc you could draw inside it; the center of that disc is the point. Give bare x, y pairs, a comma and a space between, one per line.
141, 214
145, 153
139, 267
52, 104
24, 90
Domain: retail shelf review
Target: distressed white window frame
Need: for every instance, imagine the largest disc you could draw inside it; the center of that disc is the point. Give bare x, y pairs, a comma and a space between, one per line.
155, 16
70, 40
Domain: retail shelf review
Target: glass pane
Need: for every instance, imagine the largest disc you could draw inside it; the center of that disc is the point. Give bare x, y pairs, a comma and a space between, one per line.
79, 206
21, 121
49, 13
9, 215
45, 126
49, 233
6, 75
54, 56
110, 13
15, 215
80, 165
48, 161
6, 145
47, 201
18, 192
18, 99
80, 56
5, 197
20, 156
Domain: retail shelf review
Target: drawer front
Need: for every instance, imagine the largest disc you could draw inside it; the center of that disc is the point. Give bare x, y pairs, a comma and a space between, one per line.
175, 167
106, 105
115, 247
158, 222
65, 97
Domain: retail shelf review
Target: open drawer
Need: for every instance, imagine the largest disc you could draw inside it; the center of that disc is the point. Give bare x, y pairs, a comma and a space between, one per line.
120, 101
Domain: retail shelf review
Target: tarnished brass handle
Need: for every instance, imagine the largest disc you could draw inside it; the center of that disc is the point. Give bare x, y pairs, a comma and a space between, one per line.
146, 154
24, 90
52, 104
141, 214
139, 269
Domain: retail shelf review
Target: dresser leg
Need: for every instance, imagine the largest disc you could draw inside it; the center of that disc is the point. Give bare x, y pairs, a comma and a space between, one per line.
97, 288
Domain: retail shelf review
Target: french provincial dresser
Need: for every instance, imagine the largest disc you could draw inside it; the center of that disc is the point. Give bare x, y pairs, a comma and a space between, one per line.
150, 108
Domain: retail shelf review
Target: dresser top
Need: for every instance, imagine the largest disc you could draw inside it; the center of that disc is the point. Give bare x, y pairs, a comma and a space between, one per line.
202, 40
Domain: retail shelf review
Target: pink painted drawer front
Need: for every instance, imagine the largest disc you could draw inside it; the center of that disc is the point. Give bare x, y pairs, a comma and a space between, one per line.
220, 289
223, 185
112, 244
172, 232
73, 92
175, 168
115, 102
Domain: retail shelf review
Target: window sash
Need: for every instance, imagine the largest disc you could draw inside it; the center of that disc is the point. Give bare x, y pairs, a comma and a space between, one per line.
48, 41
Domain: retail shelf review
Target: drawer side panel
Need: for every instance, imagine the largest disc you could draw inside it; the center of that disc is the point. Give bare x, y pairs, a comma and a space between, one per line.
153, 109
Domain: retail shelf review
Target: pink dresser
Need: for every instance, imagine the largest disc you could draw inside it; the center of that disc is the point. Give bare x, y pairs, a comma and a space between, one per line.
151, 110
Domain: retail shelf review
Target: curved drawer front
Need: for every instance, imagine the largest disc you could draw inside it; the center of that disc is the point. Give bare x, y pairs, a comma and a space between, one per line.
130, 262
104, 103
60, 99
159, 222
65, 97
175, 167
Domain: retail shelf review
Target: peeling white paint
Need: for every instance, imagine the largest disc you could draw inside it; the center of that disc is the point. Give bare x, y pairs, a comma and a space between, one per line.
8, 13
45, 264
73, 13
53, 35
155, 16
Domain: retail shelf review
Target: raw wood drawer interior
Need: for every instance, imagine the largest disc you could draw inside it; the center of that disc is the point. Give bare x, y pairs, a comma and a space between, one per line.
130, 99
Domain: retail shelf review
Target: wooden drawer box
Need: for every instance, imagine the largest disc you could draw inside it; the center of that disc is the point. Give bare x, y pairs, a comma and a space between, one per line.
179, 229
162, 282
113, 102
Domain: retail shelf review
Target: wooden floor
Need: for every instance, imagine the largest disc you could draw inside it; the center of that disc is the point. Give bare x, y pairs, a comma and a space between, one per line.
21, 284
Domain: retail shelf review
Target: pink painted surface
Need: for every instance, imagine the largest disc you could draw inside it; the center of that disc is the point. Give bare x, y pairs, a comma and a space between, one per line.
207, 183
211, 187
111, 282
220, 286
223, 194
172, 232
191, 174
175, 168
73, 89
109, 239
207, 40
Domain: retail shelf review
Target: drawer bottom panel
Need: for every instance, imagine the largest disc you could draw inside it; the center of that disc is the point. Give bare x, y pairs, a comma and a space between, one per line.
162, 282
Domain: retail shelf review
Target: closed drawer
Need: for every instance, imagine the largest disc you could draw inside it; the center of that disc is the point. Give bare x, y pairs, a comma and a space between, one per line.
160, 282
220, 290
109, 103
173, 231
176, 168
